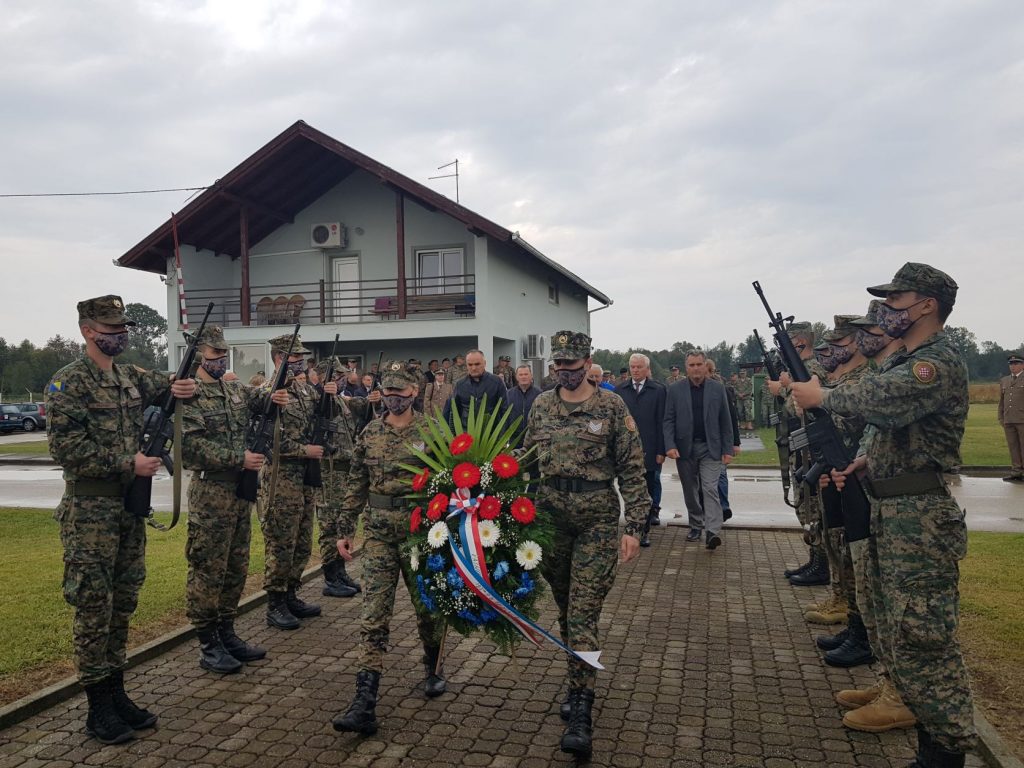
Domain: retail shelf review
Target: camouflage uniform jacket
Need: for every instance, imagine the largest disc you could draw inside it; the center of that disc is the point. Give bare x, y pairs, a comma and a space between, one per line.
596, 441
295, 420
915, 408
94, 417
380, 448
214, 424
851, 428
457, 373
814, 369
351, 414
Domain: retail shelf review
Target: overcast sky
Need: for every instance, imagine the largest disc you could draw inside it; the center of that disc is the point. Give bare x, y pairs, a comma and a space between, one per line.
667, 152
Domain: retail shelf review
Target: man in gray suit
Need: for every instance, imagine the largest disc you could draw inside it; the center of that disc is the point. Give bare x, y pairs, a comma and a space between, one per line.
698, 435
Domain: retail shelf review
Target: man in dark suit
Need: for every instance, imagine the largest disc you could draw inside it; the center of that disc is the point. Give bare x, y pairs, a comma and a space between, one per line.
698, 435
645, 399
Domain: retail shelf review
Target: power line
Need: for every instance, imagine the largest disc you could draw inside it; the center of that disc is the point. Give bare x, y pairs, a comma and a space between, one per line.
103, 194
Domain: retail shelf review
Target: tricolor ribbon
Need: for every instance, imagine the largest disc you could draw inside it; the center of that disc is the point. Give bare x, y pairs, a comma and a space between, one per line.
472, 568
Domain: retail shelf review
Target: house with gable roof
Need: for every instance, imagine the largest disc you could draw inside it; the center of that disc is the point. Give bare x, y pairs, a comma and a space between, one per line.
309, 230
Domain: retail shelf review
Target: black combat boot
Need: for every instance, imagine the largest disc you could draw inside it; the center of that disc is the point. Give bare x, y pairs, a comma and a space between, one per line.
278, 614
800, 568
855, 650
932, 755
347, 580
333, 585
213, 656
103, 723
655, 515
434, 683
565, 707
578, 733
235, 645
831, 642
361, 716
299, 607
136, 717
816, 575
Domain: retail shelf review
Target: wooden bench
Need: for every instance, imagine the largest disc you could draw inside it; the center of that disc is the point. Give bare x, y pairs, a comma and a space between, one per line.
462, 304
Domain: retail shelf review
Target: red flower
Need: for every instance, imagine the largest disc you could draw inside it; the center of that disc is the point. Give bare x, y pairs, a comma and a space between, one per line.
461, 443
419, 482
505, 466
466, 475
523, 511
437, 507
415, 520
490, 507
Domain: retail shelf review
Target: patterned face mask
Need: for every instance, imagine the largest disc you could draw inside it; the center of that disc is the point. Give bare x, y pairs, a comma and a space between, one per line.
571, 379
825, 359
842, 354
896, 322
870, 344
216, 367
398, 404
112, 344
298, 368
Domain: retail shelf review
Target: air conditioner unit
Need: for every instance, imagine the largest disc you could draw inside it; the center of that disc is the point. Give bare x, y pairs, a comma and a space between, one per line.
329, 234
533, 346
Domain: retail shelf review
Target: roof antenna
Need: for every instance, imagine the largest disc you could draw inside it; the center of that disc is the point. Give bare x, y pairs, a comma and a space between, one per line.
455, 175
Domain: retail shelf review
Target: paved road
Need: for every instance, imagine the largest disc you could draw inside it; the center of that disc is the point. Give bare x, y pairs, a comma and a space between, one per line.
709, 663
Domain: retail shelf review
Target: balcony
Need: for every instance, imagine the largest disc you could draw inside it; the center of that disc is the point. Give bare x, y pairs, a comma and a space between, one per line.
327, 302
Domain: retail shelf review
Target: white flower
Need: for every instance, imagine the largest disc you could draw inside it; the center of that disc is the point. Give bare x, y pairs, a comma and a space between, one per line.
528, 555
438, 534
414, 559
489, 533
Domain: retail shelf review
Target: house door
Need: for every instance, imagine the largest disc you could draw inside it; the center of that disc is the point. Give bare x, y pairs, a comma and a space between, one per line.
345, 289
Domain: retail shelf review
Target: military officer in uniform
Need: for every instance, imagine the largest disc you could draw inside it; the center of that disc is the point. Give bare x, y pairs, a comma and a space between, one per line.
918, 398
673, 376
377, 481
1011, 415
95, 412
585, 438
287, 520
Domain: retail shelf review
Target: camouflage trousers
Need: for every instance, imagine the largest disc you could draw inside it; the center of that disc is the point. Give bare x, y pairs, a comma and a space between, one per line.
868, 600
287, 525
581, 568
217, 551
104, 567
385, 531
913, 558
328, 514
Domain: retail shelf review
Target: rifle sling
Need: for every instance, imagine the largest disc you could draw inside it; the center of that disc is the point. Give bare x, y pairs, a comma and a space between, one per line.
275, 452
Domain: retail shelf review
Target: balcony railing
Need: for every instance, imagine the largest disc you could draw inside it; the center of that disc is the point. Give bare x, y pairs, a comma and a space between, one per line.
327, 301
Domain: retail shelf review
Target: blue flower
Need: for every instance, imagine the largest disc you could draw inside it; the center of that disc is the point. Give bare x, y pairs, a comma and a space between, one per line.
469, 616
526, 585
454, 580
488, 614
435, 562
500, 570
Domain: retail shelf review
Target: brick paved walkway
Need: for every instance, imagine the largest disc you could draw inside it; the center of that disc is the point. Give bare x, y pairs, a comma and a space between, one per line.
709, 664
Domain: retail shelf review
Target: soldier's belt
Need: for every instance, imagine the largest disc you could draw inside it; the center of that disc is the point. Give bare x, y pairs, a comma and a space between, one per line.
576, 485
223, 476
88, 487
387, 502
909, 484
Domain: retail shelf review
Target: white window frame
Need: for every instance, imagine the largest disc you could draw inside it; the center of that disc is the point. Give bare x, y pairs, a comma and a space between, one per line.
441, 285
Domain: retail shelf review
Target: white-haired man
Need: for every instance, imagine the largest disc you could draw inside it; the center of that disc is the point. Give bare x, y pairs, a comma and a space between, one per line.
645, 399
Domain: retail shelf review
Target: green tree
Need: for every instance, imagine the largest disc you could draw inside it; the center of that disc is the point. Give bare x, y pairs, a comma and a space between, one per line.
147, 339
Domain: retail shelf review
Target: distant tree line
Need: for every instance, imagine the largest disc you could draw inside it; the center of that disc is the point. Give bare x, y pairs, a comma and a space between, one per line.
985, 362
26, 369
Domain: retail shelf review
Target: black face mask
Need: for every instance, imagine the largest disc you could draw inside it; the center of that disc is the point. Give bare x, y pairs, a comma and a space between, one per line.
571, 379
398, 404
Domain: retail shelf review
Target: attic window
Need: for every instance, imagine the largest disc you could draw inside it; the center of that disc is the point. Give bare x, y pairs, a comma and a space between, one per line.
553, 292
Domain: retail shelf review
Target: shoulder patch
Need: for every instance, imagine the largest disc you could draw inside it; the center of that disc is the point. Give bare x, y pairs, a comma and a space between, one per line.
630, 423
923, 371
56, 386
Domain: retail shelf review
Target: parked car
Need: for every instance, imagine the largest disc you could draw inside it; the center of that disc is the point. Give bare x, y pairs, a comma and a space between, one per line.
33, 416
10, 418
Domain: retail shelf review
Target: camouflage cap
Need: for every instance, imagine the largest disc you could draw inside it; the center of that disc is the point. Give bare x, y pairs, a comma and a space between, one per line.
1015, 358
843, 328
321, 367
394, 374
506, 358
870, 319
280, 344
799, 329
570, 345
108, 310
922, 278
213, 337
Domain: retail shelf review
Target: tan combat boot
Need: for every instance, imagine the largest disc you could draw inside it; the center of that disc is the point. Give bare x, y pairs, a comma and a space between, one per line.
831, 610
859, 697
886, 713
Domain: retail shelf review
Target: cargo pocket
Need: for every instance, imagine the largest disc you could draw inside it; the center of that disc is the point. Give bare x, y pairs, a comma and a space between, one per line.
87, 581
592, 447
929, 615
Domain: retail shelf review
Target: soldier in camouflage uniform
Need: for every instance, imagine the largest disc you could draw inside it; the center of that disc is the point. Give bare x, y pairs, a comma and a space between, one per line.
745, 399
287, 520
458, 371
673, 376
377, 482
808, 511
505, 372
585, 438
350, 415
916, 409
549, 381
94, 417
217, 549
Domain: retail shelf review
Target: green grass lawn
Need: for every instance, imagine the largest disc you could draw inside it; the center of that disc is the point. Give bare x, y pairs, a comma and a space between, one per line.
34, 448
984, 442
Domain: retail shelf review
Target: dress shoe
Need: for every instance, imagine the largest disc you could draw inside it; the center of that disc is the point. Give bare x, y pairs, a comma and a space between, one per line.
726, 515
693, 535
714, 541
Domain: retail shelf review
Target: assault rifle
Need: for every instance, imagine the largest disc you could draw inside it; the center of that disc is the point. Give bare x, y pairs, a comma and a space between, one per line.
323, 428
778, 419
158, 431
260, 436
821, 439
